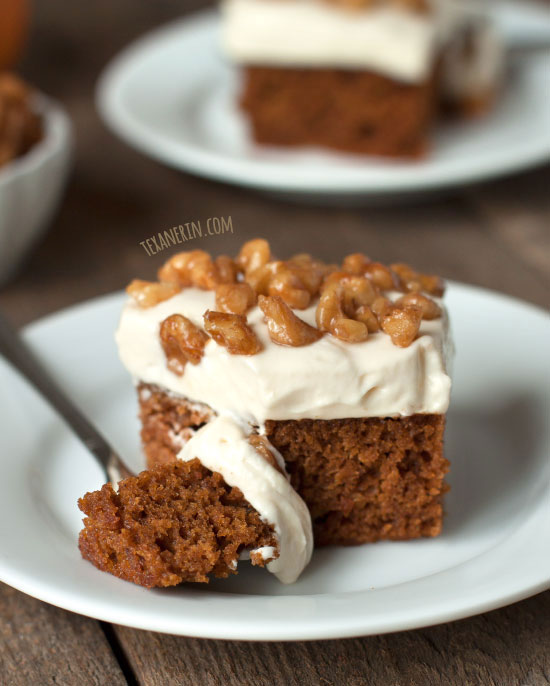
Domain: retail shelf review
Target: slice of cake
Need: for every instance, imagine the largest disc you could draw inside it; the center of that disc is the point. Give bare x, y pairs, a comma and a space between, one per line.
344, 368
227, 496
362, 76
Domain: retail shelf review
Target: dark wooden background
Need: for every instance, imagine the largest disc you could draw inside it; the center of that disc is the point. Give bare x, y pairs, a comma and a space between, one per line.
495, 235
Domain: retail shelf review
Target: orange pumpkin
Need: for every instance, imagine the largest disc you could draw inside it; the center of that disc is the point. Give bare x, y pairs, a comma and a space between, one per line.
14, 23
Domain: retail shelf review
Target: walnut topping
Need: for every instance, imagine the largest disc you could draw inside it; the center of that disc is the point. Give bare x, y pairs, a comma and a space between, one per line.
382, 277
352, 300
429, 308
227, 269
150, 293
253, 255
182, 342
401, 324
236, 298
284, 327
356, 263
194, 268
233, 332
414, 281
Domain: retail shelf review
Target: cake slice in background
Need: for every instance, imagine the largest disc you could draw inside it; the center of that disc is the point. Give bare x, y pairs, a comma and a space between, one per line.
361, 76
344, 368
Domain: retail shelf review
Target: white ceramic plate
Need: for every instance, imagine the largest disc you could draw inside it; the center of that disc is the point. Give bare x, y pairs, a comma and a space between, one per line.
493, 551
172, 96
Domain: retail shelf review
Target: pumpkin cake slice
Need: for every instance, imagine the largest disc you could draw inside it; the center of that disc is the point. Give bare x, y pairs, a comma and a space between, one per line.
184, 521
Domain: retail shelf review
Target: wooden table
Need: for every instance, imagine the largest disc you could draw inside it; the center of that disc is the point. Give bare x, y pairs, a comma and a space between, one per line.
494, 236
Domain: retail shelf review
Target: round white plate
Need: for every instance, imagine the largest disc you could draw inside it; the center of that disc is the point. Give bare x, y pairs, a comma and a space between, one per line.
494, 547
172, 96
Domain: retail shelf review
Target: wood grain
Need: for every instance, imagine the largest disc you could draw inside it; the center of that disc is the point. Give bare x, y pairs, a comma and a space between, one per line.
41, 644
495, 649
495, 235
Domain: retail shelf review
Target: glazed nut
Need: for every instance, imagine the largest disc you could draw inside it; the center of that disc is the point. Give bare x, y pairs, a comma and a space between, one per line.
232, 332
329, 306
194, 268
349, 330
182, 342
382, 277
284, 327
413, 281
227, 269
151, 293
434, 285
261, 445
401, 324
310, 271
366, 315
253, 255
356, 263
236, 298
429, 308
285, 283
380, 306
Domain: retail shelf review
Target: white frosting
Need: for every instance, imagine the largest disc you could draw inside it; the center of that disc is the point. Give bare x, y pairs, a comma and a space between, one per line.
328, 379
222, 446
388, 39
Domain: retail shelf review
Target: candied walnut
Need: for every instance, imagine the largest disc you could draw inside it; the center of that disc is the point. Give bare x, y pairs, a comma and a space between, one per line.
356, 263
194, 268
343, 298
413, 281
227, 269
261, 445
233, 332
285, 283
236, 298
280, 278
429, 308
432, 284
380, 306
349, 330
402, 324
366, 315
357, 292
329, 307
382, 277
310, 271
253, 255
330, 316
284, 327
182, 342
151, 293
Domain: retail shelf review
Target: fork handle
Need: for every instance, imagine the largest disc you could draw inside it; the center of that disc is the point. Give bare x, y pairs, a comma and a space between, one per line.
14, 349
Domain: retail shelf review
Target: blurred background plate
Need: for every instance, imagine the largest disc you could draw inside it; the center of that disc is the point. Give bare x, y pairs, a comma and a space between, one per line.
172, 96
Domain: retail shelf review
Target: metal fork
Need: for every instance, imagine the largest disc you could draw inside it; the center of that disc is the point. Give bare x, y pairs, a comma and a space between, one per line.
17, 353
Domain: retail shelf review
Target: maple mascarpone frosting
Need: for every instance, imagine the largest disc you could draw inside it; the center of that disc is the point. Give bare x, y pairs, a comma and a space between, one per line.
283, 403
362, 76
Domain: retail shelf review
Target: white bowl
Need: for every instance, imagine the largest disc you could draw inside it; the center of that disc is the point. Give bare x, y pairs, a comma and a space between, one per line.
31, 187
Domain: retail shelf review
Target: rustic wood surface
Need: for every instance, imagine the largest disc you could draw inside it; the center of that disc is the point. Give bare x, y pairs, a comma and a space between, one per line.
495, 235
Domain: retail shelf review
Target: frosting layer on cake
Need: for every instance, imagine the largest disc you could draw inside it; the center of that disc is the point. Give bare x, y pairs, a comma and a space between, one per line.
328, 379
222, 446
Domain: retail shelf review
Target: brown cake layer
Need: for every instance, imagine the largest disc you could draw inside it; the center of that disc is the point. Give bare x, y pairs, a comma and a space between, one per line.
176, 522
349, 110
362, 479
